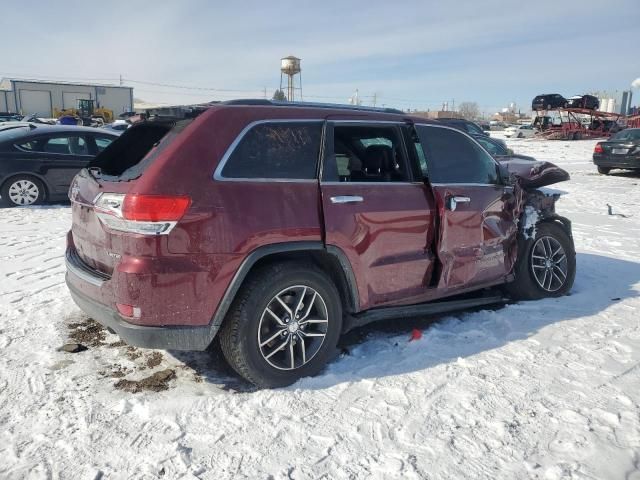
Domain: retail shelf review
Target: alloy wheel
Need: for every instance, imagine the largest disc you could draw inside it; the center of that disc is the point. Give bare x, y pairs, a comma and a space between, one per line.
549, 264
293, 327
23, 192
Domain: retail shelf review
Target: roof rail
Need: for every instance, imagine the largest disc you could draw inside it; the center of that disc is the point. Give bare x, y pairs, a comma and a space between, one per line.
340, 106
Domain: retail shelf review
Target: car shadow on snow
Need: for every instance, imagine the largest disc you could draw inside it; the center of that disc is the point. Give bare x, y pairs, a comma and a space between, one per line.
383, 348
43, 206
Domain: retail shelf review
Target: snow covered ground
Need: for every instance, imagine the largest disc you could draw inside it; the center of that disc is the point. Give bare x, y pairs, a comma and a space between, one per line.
547, 389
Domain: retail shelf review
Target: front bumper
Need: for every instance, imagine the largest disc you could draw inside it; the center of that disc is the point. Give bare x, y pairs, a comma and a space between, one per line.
145, 336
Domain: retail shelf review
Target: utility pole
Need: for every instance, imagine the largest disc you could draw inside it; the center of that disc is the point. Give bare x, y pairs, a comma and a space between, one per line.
265, 93
375, 98
120, 79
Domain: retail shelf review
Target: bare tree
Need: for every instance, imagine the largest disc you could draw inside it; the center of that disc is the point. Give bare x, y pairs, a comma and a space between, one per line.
469, 110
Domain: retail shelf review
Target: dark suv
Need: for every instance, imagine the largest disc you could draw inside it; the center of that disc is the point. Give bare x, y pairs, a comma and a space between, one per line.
275, 228
548, 101
472, 128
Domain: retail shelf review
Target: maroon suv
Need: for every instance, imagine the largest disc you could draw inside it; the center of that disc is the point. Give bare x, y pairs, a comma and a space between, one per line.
277, 227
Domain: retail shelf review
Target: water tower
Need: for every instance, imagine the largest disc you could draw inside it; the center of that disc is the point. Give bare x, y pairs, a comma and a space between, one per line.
290, 66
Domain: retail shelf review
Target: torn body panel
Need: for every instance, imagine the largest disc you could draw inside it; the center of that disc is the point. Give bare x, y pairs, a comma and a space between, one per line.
533, 174
477, 240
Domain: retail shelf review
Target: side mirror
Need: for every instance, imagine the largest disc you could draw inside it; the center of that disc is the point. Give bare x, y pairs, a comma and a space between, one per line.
509, 151
503, 173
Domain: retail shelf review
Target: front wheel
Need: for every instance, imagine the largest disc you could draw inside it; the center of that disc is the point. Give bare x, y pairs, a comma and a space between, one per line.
603, 170
546, 264
284, 325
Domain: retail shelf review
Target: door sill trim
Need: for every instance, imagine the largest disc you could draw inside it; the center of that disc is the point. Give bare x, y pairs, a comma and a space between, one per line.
430, 308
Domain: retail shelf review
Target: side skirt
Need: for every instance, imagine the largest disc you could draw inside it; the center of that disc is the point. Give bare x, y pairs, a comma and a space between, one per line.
431, 308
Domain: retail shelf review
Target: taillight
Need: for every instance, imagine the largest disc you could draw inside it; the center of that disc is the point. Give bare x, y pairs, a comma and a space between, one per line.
155, 208
142, 214
128, 310
598, 148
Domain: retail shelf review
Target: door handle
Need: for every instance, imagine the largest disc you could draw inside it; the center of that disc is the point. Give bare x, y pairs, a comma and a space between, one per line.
347, 199
452, 202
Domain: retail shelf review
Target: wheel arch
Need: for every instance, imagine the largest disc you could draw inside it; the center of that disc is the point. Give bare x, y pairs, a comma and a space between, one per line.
330, 259
563, 222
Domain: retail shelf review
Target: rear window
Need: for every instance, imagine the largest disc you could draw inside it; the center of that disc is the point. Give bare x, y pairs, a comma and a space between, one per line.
128, 156
282, 150
631, 134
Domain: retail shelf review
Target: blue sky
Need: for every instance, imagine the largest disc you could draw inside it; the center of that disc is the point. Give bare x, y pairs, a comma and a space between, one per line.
411, 54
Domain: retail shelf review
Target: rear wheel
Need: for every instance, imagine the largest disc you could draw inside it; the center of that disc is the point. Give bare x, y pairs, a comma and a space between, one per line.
546, 265
603, 170
22, 191
284, 325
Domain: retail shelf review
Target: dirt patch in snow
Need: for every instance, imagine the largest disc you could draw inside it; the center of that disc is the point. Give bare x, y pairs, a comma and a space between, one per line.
154, 359
157, 382
118, 371
88, 332
133, 353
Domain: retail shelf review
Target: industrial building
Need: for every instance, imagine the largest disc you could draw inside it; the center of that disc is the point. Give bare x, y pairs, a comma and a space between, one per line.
42, 97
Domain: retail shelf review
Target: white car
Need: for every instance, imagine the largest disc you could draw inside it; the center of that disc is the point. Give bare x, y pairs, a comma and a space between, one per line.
520, 131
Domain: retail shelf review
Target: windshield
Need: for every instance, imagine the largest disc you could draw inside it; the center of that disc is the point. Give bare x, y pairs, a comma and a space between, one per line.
629, 134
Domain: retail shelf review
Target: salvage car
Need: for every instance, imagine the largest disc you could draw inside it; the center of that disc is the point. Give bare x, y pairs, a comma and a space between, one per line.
498, 148
472, 128
38, 162
588, 102
296, 223
520, 131
548, 101
622, 150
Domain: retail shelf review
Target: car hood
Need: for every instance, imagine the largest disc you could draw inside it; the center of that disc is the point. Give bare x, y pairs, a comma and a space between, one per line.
532, 173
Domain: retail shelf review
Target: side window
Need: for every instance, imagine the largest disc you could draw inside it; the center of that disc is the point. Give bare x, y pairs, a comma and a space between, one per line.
30, 146
276, 150
56, 145
363, 153
65, 145
452, 157
102, 142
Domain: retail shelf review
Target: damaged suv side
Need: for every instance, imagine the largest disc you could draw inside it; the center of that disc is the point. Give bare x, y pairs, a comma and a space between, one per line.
274, 228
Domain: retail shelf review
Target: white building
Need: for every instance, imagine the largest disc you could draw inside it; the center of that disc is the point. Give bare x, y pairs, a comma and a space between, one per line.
42, 98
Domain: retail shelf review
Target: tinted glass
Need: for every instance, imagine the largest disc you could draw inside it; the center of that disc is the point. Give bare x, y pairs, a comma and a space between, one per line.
473, 128
102, 142
64, 145
492, 148
276, 150
452, 157
630, 134
365, 154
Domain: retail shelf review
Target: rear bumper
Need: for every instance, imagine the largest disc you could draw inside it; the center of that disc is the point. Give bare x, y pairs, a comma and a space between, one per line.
617, 161
166, 338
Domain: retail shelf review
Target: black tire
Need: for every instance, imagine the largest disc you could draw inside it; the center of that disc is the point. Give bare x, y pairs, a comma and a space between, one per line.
526, 286
240, 332
6, 197
519, 135
603, 170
